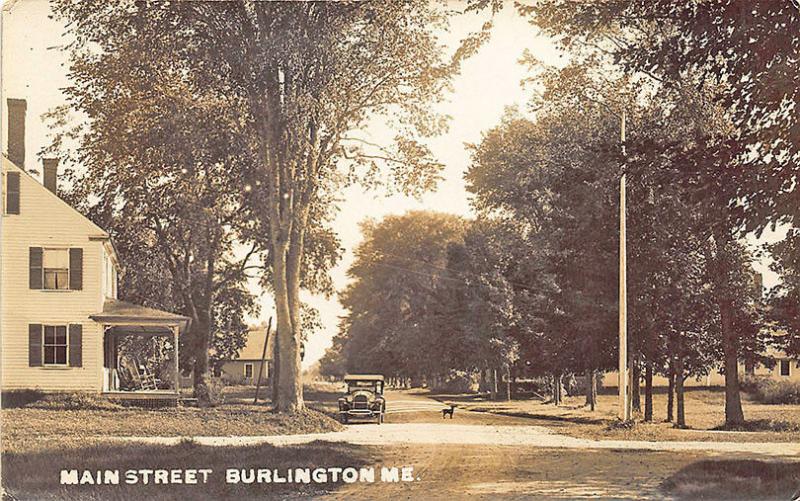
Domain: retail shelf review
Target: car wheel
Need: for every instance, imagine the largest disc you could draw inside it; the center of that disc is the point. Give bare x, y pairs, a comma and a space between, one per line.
344, 419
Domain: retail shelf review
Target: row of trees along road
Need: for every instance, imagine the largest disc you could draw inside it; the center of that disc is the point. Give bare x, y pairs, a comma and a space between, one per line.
213, 133
748, 51
530, 287
534, 280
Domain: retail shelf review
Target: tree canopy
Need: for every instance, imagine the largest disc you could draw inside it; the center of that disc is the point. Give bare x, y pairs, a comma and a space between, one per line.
295, 83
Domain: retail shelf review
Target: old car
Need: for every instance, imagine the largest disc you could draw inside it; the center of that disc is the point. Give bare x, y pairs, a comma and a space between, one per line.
364, 399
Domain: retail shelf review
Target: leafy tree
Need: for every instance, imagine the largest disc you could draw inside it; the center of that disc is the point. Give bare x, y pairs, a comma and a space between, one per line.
332, 363
298, 80
490, 321
748, 50
558, 175
173, 203
784, 299
748, 47
395, 305
555, 176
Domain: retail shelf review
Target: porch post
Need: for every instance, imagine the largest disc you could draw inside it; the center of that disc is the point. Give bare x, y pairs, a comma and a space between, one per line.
175, 330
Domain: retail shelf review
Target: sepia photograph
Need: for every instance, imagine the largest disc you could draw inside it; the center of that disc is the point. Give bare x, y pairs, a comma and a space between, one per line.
400, 249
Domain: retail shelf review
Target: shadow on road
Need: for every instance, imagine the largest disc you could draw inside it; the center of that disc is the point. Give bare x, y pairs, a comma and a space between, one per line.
735, 479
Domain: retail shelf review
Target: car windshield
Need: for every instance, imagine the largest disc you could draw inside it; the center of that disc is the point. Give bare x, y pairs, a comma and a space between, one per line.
362, 385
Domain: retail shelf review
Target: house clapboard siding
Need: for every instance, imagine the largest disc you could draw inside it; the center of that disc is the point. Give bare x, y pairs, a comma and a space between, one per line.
248, 360
45, 221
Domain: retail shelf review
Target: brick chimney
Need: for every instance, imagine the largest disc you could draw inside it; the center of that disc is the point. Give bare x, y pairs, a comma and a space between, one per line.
16, 131
50, 176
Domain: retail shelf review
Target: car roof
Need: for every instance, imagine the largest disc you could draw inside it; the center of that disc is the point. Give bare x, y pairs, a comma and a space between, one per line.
363, 377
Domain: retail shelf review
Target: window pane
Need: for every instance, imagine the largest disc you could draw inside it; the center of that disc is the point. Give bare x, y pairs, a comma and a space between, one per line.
61, 334
49, 279
49, 354
784, 367
62, 279
61, 354
56, 279
55, 258
49, 334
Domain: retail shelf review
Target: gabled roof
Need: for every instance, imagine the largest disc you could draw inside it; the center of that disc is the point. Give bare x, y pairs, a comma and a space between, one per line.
11, 166
98, 232
254, 346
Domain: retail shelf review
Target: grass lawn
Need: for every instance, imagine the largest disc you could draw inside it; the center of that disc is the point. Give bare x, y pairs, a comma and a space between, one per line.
31, 429
704, 412
318, 395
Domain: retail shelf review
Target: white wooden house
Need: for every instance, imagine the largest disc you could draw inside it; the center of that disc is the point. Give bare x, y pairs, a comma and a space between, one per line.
247, 365
61, 319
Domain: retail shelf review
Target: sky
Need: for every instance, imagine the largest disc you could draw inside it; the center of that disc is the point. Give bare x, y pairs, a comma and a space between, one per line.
35, 69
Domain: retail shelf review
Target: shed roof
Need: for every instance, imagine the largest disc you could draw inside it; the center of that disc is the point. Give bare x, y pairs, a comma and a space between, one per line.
115, 310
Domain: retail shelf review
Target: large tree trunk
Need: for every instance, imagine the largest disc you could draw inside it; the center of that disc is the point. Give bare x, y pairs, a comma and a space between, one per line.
591, 389
730, 347
483, 381
557, 389
206, 316
648, 391
670, 393
680, 418
200, 366
560, 388
290, 388
636, 376
508, 382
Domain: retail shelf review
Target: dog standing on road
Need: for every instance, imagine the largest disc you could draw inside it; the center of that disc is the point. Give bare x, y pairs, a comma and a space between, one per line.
450, 411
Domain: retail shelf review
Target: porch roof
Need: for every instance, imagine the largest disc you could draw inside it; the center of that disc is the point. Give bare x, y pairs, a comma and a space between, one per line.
116, 312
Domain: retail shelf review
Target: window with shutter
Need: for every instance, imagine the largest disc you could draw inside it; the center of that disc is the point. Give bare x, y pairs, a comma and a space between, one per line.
75, 345
55, 345
76, 269
56, 268
35, 267
34, 345
12, 193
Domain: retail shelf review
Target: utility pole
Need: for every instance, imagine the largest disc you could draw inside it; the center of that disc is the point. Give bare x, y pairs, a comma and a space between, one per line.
625, 387
263, 361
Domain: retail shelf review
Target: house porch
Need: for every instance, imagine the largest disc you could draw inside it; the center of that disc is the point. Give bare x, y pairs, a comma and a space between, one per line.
133, 377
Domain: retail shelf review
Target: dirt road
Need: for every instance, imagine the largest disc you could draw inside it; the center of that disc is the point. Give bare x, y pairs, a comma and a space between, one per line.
417, 419
480, 456
492, 472
489, 456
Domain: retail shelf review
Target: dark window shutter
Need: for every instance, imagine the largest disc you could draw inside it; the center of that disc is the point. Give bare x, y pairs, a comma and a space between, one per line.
75, 345
35, 267
34, 345
12, 193
76, 269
